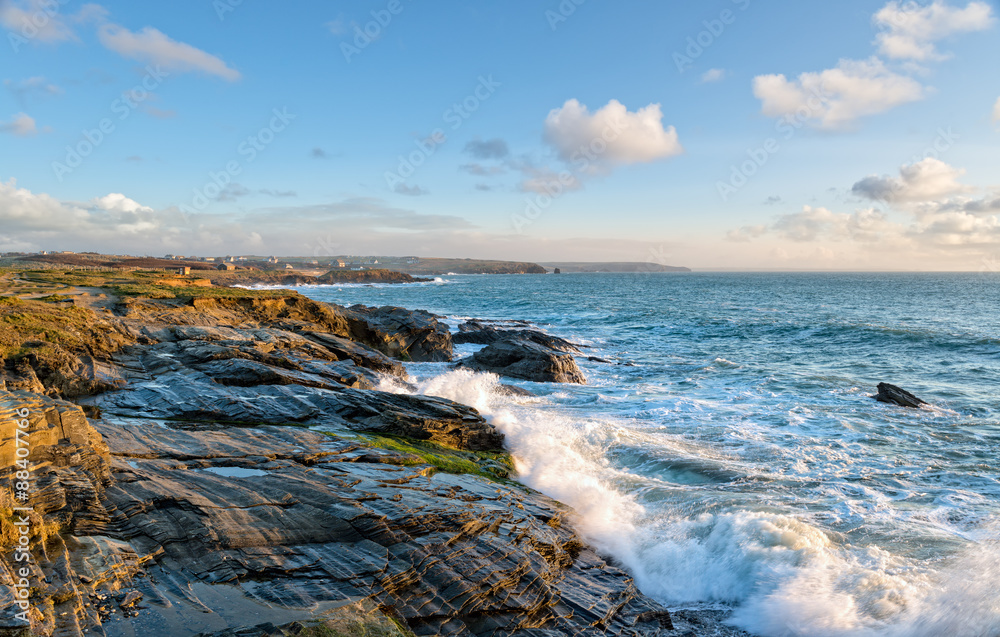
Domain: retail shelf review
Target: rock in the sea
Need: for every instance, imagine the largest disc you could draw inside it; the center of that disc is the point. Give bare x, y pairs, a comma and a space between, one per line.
897, 396
481, 334
527, 361
406, 334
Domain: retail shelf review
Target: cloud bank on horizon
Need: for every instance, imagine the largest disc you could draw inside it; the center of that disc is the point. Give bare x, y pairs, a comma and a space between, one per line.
882, 158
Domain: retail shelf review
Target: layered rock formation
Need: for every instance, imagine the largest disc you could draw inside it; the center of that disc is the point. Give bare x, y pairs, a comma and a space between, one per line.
522, 353
231, 480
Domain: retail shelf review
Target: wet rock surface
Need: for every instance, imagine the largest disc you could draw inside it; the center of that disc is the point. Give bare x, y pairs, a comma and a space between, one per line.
409, 334
526, 361
481, 333
231, 482
897, 396
154, 517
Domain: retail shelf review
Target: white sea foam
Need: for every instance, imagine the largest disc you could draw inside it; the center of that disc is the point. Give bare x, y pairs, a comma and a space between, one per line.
783, 573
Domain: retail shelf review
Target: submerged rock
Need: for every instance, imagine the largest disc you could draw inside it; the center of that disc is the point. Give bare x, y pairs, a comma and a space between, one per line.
897, 396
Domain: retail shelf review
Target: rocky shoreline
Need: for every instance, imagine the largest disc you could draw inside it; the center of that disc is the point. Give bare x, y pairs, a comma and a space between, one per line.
229, 466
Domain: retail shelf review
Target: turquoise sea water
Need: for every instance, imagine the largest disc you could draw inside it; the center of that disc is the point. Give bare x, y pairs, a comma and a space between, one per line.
739, 461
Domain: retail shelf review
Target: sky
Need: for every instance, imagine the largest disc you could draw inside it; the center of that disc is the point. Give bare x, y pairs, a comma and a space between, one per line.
857, 135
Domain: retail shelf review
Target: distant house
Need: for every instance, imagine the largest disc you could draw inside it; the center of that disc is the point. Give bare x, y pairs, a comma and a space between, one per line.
227, 267
341, 263
186, 270
289, 266
209, 259
273, 260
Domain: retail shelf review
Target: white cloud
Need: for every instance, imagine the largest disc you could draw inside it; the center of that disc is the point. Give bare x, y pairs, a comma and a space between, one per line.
116, 223
36, 20
120, 203
21, 125
713, 75
812, 224
996, 112
150, 45
925, 181
611, 135
911, 30
836, 98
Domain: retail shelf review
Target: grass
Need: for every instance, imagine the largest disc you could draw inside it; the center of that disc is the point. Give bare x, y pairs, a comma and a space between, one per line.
490, 465
149, 284
23, 322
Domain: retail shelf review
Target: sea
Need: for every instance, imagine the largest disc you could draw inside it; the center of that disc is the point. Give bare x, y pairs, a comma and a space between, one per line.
729, 455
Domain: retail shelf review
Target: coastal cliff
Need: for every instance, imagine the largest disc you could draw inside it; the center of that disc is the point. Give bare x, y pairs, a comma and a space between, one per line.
233, 465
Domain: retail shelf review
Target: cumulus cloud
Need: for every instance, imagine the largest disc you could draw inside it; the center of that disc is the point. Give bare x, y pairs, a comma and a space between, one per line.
838, 97
21, 125
927, 180
610, 136
910, 30
489, 149
118, 202
810, 224
814, 224
996, 112
713, 75
152, 46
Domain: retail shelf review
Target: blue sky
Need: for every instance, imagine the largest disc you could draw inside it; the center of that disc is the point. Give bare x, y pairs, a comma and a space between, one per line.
732, 134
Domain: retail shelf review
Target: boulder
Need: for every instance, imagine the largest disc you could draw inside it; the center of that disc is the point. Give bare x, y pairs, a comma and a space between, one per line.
481, 334
897, 396
527, 361
400, 333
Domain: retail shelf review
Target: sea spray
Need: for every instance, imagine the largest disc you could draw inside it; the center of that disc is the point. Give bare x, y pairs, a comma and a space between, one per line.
783, 576
739, 459
552, 453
